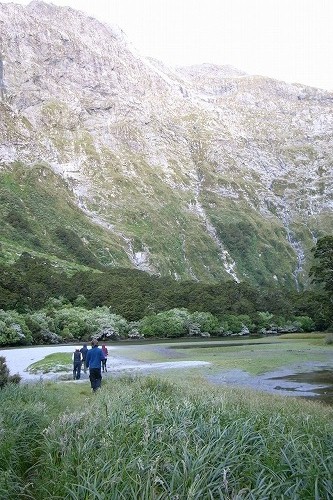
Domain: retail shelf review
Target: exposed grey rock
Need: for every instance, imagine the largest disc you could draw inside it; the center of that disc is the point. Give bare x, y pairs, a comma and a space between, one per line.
208, 145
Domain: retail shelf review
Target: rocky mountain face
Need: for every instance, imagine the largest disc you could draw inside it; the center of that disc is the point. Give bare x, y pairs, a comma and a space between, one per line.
201, 173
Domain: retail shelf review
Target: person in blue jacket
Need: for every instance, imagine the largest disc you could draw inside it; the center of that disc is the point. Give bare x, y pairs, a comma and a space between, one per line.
94, 360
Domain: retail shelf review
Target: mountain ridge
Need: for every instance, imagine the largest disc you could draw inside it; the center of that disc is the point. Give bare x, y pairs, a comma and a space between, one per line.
193, 174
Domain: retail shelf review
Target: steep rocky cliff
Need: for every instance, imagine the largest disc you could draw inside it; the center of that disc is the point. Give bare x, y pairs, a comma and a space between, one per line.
200, 173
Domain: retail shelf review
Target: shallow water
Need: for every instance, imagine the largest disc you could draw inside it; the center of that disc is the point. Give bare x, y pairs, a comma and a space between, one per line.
314, 382
321, 380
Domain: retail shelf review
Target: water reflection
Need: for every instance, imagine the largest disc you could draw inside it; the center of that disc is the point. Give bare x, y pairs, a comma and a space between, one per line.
320, 381
314, 385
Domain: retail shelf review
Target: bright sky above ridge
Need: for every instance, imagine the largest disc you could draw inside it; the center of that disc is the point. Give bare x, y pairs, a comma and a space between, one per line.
291, 40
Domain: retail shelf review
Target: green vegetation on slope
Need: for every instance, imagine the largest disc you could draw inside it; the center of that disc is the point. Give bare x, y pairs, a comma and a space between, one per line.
38, 214
259, 246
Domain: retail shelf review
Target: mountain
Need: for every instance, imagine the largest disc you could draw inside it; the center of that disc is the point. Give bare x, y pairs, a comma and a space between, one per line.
111, 159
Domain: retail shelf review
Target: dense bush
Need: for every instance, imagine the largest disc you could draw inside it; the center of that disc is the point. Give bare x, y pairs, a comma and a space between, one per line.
61, 322
16, 219
13, 329
304, 323
206, 321
30, 283
57, 323
235, 324
5, 377
81, 323
178, 323
171, 323
264, 319
76, 247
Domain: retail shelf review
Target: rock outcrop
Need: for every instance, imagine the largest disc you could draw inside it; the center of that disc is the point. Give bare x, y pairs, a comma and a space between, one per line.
199, 173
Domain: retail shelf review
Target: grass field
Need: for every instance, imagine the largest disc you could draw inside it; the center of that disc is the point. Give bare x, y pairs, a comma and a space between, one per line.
147, 438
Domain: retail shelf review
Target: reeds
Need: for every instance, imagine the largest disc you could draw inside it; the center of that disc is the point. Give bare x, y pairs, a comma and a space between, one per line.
146, 438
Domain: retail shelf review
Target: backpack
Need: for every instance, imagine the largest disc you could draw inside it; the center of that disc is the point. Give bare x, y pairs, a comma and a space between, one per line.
77, 356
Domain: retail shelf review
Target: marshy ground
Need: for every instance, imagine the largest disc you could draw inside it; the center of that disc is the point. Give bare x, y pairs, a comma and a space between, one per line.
293, 367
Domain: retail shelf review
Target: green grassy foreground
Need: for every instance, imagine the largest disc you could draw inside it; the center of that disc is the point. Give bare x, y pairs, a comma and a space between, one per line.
147, 438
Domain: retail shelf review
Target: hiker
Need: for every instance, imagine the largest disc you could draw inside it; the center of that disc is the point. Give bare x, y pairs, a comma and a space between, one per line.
105, 352
94, 359
84, 350
77, 361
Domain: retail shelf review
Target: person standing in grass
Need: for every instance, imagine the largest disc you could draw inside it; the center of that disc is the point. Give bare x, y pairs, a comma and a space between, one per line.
95, 357
105, 352
84, 350
77, 362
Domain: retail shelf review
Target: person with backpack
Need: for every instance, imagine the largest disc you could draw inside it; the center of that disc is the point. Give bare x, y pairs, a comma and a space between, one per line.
95, 357
105, 352
77, 362
84, 350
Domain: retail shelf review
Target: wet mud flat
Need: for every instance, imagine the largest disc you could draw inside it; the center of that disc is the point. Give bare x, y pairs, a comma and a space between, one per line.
312, 381
309, 380
321, 382
210, 344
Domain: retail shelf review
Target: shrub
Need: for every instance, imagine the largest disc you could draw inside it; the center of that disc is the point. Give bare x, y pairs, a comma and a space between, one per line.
13, 329
207, 321
101, 319
42, 328
264, 319
173, 323
72, 322
73, 243
305, 323
17, 220
236, 324
80, 323
5, 377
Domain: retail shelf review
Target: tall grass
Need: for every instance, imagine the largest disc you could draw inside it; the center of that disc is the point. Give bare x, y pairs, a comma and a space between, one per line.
149, 439
25, 412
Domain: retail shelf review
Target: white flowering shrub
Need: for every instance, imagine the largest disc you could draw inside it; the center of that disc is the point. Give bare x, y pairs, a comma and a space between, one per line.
13, 329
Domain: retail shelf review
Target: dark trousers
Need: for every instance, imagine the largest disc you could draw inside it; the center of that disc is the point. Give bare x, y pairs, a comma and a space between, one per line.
104, 365
77, 370
95, 377
84, 365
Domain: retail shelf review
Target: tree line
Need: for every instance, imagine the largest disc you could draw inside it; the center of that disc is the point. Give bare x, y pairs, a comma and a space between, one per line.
33, 286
